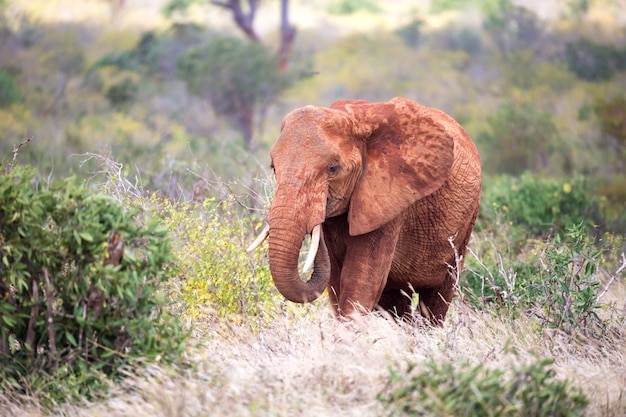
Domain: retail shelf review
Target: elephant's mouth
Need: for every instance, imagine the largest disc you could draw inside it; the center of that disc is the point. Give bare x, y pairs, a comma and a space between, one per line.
313, 248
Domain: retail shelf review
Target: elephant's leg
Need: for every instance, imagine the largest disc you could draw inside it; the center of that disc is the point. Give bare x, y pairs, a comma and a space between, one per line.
366, 268
434, 302
397, 303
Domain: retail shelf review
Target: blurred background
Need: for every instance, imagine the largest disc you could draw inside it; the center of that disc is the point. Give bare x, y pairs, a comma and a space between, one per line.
182, 92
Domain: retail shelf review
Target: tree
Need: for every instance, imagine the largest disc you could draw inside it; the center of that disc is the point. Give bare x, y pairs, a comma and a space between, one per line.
245, 20
512, 27
239, 80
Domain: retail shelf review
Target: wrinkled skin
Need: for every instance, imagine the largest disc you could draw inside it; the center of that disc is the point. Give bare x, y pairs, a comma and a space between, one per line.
390, 183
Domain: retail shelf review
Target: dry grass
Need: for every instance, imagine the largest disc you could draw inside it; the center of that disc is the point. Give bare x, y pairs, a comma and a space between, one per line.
311, 365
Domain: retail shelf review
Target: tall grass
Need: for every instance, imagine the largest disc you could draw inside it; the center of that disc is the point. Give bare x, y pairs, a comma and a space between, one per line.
311, 365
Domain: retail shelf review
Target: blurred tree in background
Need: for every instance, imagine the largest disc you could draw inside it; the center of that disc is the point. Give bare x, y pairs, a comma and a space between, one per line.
519, 138
239, 79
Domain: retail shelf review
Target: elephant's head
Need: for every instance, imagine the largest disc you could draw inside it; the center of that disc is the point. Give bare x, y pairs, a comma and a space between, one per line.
369, 160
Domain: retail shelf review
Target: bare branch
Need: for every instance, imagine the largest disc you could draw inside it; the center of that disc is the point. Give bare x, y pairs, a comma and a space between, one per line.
16, 149
243, 19
287, 35
621, 269
34, 313
49, 319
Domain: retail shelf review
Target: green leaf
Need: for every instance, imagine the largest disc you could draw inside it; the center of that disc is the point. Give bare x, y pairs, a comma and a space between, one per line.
86, 236
71, 339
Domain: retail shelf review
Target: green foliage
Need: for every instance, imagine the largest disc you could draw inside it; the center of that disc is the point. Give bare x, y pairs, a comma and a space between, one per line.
173, 7
594, 61
457, 38
467, 390
142, 56
9, 89
610, 114
517, 138
512, 27
239, 79
80, 281
556, 283
216, 275
539, 205
411, 32
346, 7
122, 91
439, 6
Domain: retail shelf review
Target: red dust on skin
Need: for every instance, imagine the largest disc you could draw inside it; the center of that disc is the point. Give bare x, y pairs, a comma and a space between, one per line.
390, 183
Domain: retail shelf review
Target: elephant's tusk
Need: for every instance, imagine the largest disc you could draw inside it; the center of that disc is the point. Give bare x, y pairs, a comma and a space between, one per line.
260, 239
315, 243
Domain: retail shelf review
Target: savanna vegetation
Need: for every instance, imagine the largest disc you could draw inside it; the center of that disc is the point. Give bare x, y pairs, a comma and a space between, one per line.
134, 172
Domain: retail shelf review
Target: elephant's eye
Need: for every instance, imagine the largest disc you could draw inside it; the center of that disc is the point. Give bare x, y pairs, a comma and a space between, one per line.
333, 168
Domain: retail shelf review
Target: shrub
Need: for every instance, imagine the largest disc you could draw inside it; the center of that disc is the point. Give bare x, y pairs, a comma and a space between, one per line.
79, 289
592, 61
539, 205
518, 138
9, 90
216, 275
610, 113
122, 91
411, 32
444, 390
556, 283
136, 59
347, 7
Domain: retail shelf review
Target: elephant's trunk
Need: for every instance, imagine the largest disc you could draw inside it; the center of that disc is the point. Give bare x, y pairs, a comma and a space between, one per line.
285, 242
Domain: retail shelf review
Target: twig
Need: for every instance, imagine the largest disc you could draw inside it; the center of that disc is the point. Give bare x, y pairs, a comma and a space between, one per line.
455, 271
49, 319
30, 333
621, 268
16, 149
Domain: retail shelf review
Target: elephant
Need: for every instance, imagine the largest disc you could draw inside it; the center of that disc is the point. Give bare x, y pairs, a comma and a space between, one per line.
389, 192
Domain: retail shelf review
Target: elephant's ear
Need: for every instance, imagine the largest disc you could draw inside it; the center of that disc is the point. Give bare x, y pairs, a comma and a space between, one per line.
408, 156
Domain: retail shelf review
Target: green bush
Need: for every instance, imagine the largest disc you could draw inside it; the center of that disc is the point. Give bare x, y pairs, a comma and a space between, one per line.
556, 283
216, 276
79, 289
122, 91
517, 138
444, 390
539, 205
9, 90
411, 32
610, 113
592, 61
347, 7
140, 57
